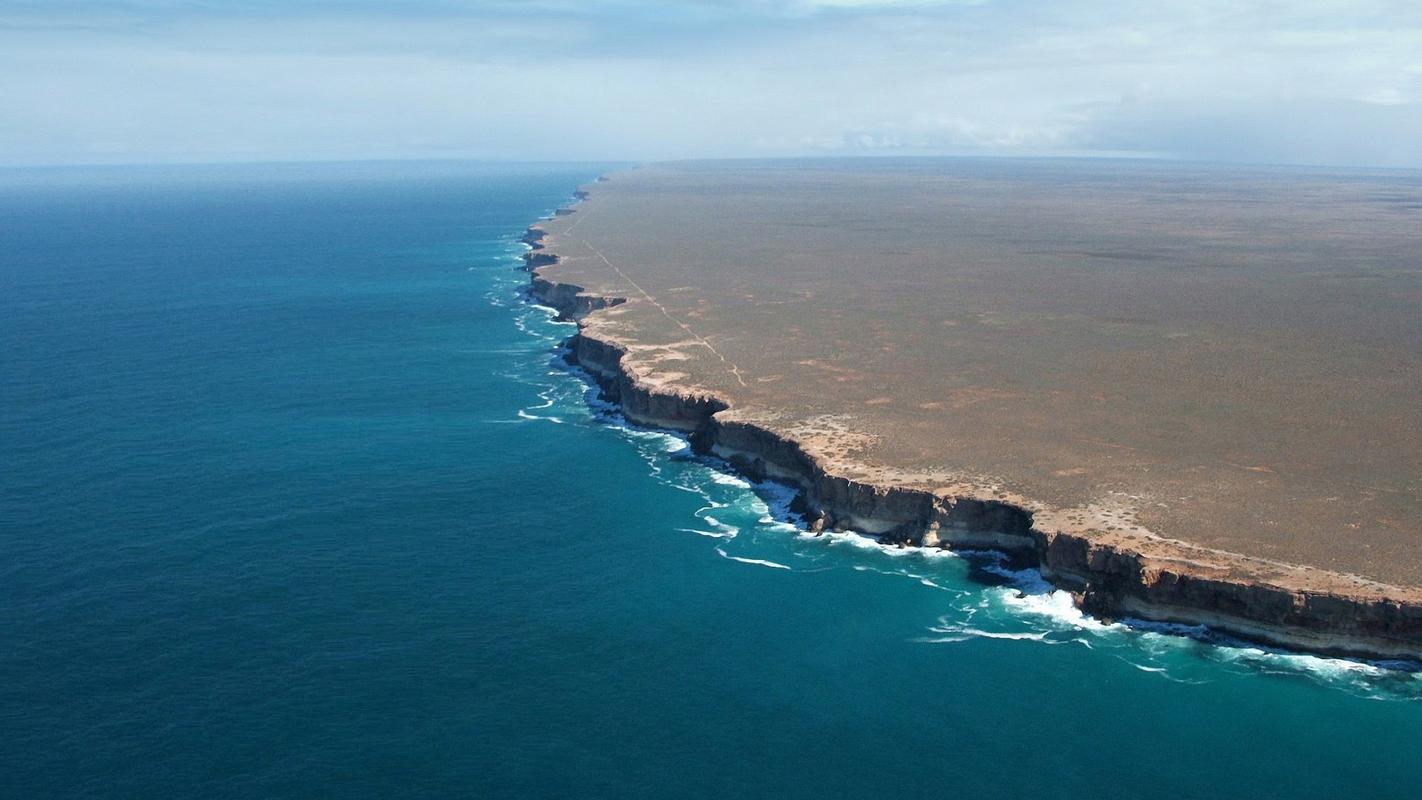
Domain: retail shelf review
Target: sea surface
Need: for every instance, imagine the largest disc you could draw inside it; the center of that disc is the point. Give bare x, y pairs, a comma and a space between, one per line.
298, 500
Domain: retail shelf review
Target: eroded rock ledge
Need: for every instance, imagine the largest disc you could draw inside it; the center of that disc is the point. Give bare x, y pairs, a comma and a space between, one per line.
1111, 575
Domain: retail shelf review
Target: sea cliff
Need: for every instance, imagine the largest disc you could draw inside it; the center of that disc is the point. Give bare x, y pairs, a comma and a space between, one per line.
1110, 574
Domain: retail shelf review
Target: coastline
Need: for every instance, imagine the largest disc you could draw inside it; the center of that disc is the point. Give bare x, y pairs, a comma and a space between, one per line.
1111, 575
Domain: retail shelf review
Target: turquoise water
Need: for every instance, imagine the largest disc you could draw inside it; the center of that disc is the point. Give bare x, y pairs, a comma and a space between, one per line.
297, 501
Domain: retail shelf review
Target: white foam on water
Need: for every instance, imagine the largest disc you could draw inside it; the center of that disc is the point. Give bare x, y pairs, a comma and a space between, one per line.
661, 438
773, 524
1167, 634
961, 633
727, 479
862, 542
756, 561
1321, 666
1356, 675
778, 496
663, 441
1158, 670
546, 310
1019, 636
711, 534
729, 530
1029, 581
525, 415
1055, 605
866, 542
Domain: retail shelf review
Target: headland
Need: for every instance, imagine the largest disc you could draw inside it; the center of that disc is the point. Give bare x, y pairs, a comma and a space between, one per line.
1185, 394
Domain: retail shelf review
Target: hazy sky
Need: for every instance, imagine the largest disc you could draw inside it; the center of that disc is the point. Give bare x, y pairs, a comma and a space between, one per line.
1311, 81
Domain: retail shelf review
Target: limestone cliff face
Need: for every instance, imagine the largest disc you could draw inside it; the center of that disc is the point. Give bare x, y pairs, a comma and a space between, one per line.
570, 300
641, 403
829, 501
1175, 582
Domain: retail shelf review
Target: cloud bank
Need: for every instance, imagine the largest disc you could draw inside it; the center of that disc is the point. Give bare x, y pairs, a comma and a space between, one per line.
1307, 81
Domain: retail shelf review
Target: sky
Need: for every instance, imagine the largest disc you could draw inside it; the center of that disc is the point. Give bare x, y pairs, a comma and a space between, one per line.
1261, 81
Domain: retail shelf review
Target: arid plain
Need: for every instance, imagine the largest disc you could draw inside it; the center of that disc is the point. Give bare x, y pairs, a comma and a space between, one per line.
1225, 357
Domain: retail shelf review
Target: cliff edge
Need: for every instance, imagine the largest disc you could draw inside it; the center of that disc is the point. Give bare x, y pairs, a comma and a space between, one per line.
1115, 571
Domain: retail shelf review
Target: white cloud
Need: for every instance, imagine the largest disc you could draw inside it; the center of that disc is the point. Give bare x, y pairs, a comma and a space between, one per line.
1310, 80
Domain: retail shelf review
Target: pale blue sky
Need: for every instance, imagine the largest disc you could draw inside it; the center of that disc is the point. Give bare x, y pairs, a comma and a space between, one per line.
1305, 81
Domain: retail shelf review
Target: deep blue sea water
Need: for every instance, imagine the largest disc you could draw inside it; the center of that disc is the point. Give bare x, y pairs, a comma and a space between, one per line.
297, 501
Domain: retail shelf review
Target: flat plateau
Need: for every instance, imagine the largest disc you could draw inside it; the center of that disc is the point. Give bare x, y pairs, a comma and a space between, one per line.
1189, 393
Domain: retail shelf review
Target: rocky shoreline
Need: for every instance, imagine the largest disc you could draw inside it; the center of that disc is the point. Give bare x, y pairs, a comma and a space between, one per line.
1111, 575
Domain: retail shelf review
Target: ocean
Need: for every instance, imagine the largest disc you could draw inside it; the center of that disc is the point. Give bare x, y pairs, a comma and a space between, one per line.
298, 499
